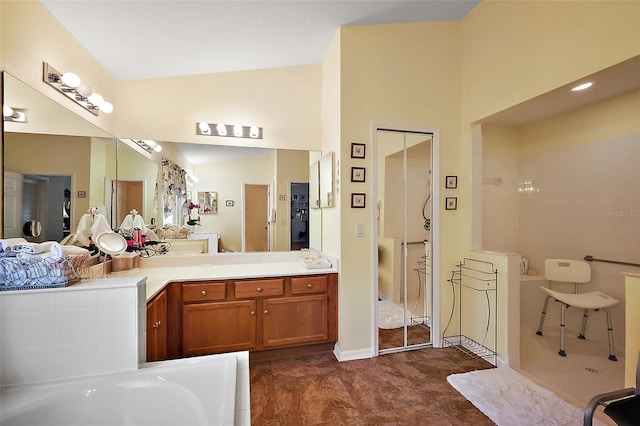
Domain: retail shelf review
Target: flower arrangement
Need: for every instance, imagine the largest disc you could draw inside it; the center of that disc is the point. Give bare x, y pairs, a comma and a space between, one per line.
194, 216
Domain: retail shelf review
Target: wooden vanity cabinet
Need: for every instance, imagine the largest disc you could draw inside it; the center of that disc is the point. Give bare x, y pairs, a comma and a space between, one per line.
270, 317
157, 327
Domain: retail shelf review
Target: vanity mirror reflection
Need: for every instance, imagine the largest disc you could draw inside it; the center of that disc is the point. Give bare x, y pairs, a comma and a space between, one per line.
55, 165
55, 143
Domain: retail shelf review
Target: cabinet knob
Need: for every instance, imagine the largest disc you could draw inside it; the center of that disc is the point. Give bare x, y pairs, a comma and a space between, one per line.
266, 311
253, 312
204, 292
309, 285
259, 289
157, 324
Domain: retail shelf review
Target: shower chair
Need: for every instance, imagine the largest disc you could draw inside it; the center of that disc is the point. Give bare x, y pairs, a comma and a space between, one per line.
576, 272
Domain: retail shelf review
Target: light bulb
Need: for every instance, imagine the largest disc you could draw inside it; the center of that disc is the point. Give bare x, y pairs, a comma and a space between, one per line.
7, 111
96, 99
84, 90
221, 129
106, 107
150, 142
70, 79
237, 130
254, 131
582, 86
157, 148
204, 128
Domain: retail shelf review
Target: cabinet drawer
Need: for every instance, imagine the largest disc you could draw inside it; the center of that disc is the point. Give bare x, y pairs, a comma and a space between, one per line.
259, 288
203, 292
310, 284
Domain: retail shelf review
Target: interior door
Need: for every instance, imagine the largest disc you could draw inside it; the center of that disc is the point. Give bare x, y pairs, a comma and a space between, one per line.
403, 191
256, 217
12, 205
128, 195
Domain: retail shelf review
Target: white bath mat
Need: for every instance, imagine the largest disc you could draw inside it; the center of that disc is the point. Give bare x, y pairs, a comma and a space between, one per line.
508, 399
390, 315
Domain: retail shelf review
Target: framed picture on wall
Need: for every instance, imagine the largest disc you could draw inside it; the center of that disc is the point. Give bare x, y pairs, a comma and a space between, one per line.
357, 200
357, 174
357, 150
451, 182
451, 203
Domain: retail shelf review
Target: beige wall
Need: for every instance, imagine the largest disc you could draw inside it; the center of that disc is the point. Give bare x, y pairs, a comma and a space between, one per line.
227, 179
33, 154
404, 74
169, 108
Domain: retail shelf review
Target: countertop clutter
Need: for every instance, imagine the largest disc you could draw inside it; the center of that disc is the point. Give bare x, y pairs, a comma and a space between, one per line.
160, 270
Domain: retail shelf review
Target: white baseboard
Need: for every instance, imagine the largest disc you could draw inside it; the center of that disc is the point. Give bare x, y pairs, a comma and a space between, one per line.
352, 355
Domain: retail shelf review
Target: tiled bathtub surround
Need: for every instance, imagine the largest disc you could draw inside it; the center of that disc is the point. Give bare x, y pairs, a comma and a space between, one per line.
85, 329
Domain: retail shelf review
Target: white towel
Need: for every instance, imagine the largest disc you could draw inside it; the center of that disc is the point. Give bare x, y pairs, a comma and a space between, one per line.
11, 241
74, 251
99, 226
131, 221
48, 249
83, 233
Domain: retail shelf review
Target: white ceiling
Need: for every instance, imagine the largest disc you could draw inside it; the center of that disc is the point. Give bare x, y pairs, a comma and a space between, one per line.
162, 38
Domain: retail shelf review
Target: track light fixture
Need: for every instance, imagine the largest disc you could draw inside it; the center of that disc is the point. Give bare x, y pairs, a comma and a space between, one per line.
148, 145
229, 130
70, 85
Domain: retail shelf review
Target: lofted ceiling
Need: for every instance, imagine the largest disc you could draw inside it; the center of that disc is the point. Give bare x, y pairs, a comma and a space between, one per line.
162, 38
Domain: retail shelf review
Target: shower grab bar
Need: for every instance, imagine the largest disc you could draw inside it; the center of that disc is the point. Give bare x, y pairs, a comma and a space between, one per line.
411, 243
593, 259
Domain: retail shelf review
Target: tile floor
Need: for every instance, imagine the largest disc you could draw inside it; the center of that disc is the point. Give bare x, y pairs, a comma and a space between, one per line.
406, 388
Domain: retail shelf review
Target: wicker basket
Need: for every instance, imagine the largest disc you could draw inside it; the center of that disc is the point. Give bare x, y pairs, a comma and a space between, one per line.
31, 272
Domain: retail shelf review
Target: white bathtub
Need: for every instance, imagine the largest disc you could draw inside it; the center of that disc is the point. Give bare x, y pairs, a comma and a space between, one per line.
192, 391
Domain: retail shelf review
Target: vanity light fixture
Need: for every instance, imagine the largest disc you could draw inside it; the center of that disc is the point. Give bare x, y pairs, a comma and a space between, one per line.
148, 145
16, 115
70, 85
229, 130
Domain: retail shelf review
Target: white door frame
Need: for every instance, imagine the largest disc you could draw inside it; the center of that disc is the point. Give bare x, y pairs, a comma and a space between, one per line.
435, 227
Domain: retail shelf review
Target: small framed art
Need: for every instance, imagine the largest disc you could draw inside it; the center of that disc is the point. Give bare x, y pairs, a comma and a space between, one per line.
357, 200
451, 203
451, 182
357, 150
358, 174
82, 194
229, 203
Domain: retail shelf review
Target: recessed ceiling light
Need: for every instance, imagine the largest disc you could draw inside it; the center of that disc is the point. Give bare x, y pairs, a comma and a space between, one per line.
582, 86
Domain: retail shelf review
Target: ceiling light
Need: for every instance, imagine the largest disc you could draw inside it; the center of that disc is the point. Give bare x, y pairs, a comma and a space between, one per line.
221, 129
582, 86
70, 85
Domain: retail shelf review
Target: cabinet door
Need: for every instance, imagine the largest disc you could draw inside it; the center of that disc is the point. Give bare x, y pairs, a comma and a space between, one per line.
157, 327
218, 327
294, 320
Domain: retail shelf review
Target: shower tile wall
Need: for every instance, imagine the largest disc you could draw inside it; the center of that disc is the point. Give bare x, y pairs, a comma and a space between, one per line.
585, 201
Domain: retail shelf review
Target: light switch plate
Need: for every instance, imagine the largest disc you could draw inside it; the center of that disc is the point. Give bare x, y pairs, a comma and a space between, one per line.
359, 230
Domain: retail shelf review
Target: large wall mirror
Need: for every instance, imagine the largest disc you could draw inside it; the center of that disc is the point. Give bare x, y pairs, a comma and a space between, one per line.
69, 165
55, 165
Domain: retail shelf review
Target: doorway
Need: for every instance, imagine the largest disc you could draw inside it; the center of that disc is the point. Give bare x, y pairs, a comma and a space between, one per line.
299, 235
256, 218
404, 237
127, 195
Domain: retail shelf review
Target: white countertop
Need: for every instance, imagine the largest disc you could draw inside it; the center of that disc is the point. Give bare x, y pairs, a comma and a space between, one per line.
161, 270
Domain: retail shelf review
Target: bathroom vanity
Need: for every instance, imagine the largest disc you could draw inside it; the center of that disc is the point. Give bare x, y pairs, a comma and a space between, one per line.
268, 304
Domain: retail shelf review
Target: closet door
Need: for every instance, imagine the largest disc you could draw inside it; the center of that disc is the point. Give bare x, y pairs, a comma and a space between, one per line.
403, 183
